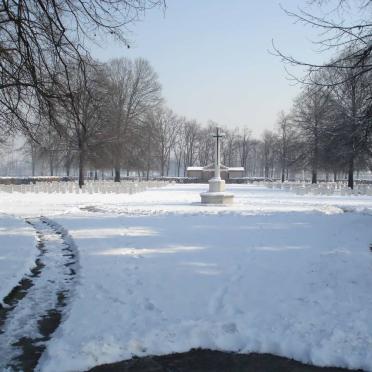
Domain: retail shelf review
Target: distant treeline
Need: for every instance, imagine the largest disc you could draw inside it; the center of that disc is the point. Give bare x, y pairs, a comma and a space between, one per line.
79, 114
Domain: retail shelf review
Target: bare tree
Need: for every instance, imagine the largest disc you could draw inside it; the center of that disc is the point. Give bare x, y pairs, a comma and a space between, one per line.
135, 91
337, 31
229, 150
36, 36
148, 145
165, 128
206, 144
81, 117
253, 163
353, 127
179, 145
191, 134
269, 141
243, 147
283, 138
311, 112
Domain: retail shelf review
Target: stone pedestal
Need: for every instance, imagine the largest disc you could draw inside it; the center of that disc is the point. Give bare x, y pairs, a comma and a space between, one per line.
216, 185
216, 193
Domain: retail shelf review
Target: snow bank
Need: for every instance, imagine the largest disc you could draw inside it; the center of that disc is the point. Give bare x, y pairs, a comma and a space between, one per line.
293, 284
17, 252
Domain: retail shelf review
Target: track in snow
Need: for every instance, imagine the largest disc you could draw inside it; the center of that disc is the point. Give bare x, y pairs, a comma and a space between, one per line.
35, 307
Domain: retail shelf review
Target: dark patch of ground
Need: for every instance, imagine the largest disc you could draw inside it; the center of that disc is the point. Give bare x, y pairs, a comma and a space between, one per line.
200, 360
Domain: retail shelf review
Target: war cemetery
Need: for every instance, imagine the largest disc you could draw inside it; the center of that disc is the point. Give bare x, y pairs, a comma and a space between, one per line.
186, 186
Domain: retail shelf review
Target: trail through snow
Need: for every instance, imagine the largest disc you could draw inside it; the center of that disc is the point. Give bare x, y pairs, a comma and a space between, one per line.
34, 308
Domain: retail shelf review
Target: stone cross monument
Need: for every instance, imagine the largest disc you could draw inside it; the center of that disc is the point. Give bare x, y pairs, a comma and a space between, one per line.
217, 160
216, 193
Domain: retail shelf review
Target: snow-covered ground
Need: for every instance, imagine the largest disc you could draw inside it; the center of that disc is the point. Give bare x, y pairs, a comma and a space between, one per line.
179, 199
160, 273
17, 252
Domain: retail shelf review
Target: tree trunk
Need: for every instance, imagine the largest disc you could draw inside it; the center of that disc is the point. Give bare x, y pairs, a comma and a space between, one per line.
117, 174
162, 165
167, 169
314, 176
350, 179
33, 165
81, 166
67, 167
33, 159
51, 167
315, 160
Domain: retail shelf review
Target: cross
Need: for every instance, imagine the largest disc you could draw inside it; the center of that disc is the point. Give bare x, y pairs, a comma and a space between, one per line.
218, 135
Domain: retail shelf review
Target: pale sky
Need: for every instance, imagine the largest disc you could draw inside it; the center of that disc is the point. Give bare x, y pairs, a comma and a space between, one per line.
212, 58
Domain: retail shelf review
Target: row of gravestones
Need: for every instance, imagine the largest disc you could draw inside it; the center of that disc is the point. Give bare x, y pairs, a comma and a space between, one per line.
90, 187
322, 189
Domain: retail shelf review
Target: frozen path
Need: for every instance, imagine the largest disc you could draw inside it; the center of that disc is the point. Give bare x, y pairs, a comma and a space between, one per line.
292, 284
34, 308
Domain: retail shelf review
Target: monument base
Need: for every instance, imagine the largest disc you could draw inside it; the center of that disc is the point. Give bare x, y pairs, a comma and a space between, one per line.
216, 185
217, 198
216, 193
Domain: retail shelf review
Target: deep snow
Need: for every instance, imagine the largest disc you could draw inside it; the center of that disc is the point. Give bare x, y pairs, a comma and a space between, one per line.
159, 273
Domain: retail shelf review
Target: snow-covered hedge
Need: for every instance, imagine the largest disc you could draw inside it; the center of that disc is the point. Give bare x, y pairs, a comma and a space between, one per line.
90, 187
325, 188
